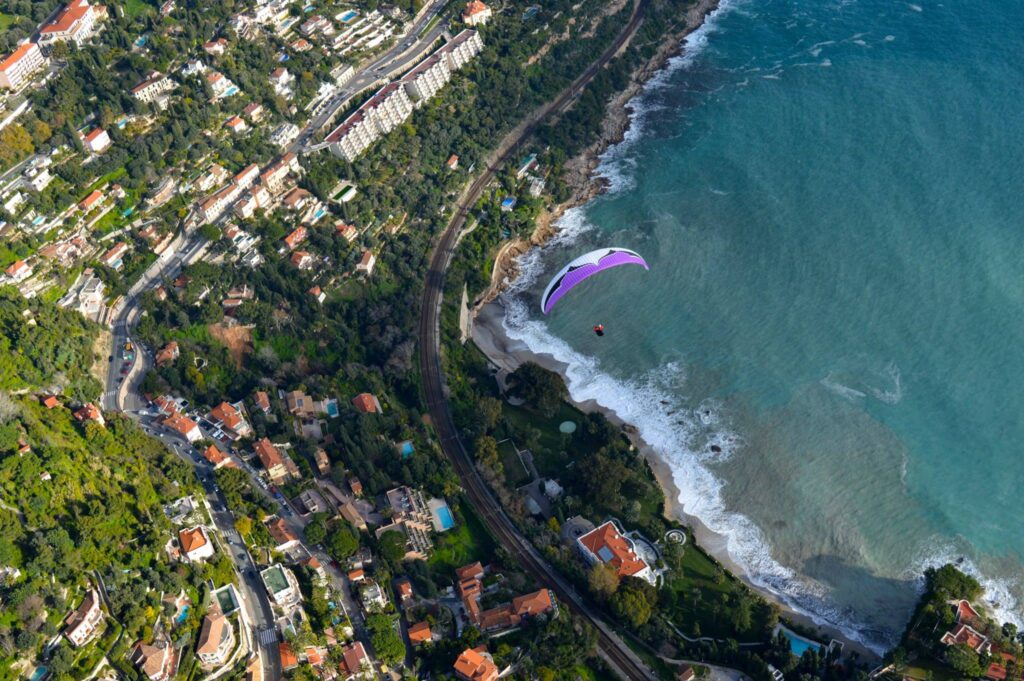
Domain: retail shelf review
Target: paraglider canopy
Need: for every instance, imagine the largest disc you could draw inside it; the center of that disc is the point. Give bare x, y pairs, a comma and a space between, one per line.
584, 267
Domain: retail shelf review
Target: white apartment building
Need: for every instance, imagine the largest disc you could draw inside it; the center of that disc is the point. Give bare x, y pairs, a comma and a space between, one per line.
18, 67
273, 176
255, 199
152, 87
76, 22
284, 134
38, 179
216, 640
427, 79
281, 586
462, 48
381, 114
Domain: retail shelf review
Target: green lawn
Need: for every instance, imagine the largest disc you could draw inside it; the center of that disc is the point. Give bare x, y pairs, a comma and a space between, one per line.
133, 8
6, 20
466, 542
515, 473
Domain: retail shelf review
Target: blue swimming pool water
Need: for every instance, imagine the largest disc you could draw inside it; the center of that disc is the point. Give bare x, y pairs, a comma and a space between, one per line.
38, 674
332, 408
348, 16
182, 616
798, 645
444, 515
407, 449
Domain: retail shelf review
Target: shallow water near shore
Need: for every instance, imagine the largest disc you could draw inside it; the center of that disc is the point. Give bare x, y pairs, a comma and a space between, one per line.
827, 194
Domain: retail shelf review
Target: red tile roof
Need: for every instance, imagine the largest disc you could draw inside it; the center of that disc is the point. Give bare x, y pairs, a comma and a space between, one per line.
191, 540
16, 56
366, 403
964, 634
609, 546
214, 455
289, 660
67, 17
533, 604
280, 531
419, 632
227, 414
268, 454
50, 401
180, 423
472, 665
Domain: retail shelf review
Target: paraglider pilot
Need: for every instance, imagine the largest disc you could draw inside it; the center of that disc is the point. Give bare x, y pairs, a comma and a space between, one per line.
599, 329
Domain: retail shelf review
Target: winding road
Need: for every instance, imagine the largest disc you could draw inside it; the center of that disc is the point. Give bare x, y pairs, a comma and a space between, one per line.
610, 646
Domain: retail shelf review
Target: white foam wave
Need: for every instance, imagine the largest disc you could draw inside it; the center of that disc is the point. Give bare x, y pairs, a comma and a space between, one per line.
616, 166
889, 38
892, 372
844, 391
999, 591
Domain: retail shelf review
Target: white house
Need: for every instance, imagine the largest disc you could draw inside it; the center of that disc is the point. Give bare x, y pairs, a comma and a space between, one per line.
195, 544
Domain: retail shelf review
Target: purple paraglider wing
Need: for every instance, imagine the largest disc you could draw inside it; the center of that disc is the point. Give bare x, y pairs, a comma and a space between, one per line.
585, 267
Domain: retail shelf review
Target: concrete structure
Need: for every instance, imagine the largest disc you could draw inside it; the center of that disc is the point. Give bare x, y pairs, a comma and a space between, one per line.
75, 23
86, 295
462, 48
378, 116
183, 426
282, 535
427, 78
17, 69
411, 516
82, 624
195, 544
366, 263
156, 662
281, 586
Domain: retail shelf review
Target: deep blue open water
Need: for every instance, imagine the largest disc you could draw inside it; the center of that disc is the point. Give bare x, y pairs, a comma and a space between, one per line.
829, 195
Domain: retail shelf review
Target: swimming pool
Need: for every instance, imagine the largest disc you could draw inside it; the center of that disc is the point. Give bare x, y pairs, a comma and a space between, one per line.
799, 645
407, 449
182, 616
444, 515
38, 674
332, 408
348, 16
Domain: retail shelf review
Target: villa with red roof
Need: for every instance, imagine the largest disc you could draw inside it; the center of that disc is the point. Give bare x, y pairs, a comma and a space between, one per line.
476, 13
367, 403
967, 635
96, 140
18, 271
965, 612
195, 544
476, 664
606, 544
183, 426
229, 416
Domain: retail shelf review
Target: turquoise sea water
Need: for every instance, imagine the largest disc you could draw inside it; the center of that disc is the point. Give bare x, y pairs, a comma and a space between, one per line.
828, 194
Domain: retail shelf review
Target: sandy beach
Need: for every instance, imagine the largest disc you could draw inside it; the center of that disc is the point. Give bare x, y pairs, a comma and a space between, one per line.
507, 354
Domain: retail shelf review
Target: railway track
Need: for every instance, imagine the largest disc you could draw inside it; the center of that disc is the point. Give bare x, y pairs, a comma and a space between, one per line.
611, 648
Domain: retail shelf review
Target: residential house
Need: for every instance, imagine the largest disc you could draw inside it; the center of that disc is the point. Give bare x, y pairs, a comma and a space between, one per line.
296, 237
229, 417
90, 201
195, 544
296, 199
156, 662
476, 13
315, 567
215, 47
96, 140
254, 112
273, 461
75, 23
38, 179
356, 663
17, 68
965, 634
606, 544
453, 162
50, 401
284, 538
18, 271
420, 633
303, 260
349, 232
114, 257
217, 458
167, 354
372, 595
323, 463
255, 199
216, 639
262, 401
411, 516
318, 294
236, 124
82, 624
475, 664
152, 87
86, 294
289, 660
367, 403
89, 412
221, 85
403, 589
183, 426
281, 80
366, 263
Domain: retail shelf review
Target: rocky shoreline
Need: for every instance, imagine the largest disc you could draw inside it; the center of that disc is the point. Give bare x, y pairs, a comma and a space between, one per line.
488, 330
579, 171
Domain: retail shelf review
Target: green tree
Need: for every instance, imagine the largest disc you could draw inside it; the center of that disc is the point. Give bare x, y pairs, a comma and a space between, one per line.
341, 541
15, 144
392, 546
384, 638
544, 389
603, 580
964, 660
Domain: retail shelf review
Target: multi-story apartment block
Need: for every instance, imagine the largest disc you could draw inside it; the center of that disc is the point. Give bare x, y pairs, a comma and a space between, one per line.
216, 640
460, 49
19, 66
378, 116
427, 79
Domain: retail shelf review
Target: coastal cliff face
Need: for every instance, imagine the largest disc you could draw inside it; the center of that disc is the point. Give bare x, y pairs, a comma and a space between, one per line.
579, 171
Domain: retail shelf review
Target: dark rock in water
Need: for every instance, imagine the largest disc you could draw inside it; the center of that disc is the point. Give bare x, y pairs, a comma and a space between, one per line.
716, 449
664, 401
629, 428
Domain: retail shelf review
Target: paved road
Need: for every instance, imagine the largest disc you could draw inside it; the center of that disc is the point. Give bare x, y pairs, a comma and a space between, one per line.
615, 652
400, 58
250, 586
